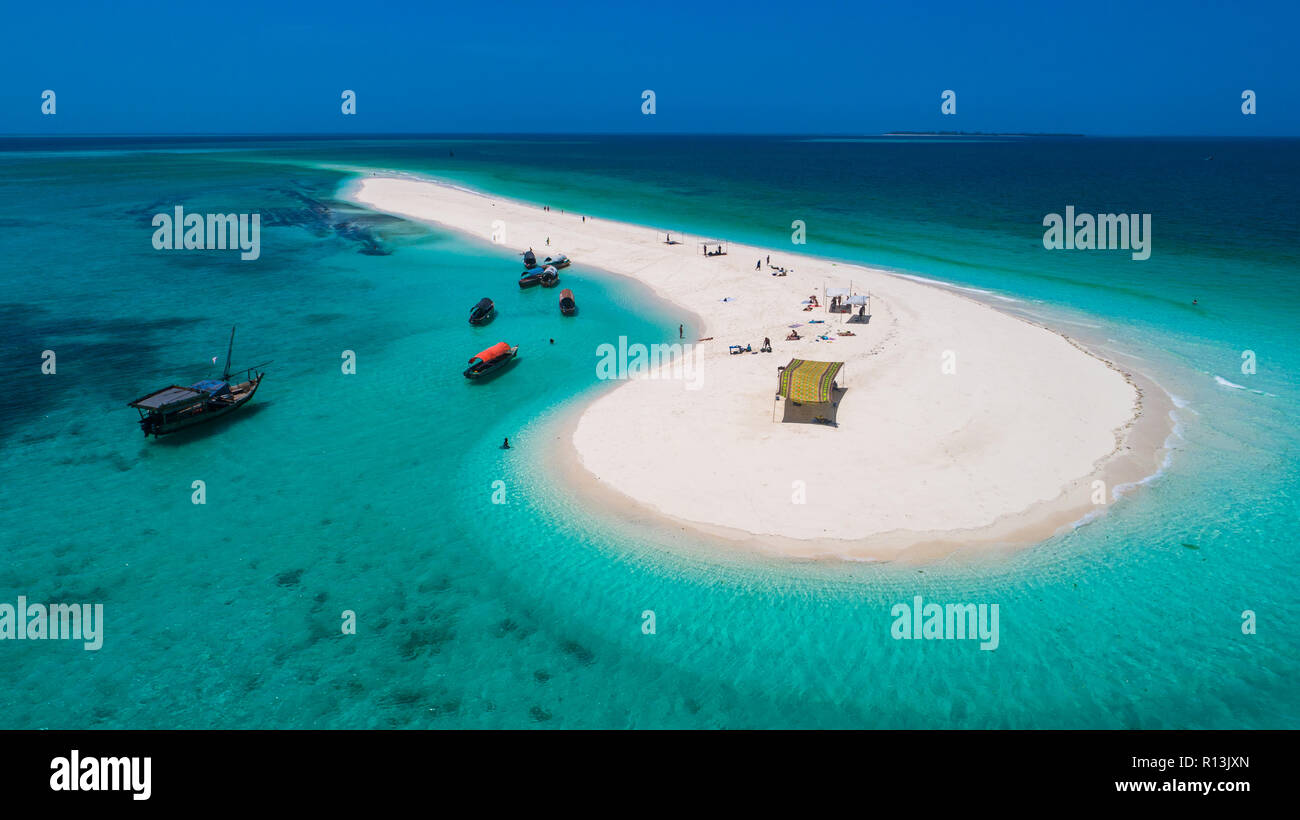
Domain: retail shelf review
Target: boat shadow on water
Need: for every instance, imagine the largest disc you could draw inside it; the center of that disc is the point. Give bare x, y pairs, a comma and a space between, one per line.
202, 431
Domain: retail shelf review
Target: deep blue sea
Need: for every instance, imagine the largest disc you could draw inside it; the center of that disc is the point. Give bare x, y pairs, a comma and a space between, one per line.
372, 492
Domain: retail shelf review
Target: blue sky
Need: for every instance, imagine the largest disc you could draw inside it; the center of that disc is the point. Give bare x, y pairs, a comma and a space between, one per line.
814, 66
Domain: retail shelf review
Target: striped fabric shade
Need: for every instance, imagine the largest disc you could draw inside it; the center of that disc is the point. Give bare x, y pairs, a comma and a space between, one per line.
807, 381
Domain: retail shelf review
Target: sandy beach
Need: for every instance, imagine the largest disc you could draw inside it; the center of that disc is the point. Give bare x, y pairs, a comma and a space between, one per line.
956, 427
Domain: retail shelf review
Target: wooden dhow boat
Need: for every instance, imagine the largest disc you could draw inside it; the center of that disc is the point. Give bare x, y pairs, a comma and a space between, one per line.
176, 408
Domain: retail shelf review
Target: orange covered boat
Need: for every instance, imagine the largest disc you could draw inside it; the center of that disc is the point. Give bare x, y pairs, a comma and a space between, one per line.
490, 360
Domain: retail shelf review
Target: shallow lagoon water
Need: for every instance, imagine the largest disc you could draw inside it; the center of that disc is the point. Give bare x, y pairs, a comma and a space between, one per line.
373, 492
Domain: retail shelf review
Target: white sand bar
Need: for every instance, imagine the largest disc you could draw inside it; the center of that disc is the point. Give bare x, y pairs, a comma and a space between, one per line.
1002, 451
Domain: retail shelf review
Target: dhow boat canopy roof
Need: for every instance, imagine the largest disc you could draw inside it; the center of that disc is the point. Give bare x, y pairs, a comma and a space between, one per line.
168, 398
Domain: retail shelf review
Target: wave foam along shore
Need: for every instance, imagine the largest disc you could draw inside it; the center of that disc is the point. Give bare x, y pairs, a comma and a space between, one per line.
1000, 448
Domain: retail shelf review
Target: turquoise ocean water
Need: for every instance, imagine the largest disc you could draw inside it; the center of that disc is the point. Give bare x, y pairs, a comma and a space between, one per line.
372, 492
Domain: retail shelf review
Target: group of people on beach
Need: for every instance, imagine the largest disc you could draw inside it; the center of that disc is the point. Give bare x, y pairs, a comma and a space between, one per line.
548, 208
766, 348
776, 269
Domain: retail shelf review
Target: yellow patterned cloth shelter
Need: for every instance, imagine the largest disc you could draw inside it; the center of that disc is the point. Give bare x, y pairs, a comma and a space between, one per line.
806, 381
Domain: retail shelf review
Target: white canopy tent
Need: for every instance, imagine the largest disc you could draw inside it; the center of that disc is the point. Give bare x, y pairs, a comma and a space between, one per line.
847, 299
863, 300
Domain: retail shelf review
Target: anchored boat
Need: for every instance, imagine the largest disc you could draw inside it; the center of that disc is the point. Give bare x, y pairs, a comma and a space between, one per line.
557, 261
568, 306
488, 361
547, 277
483, 312
175, 408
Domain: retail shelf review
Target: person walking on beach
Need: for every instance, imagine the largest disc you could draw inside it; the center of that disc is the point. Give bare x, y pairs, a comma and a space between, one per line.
769, 259
758, 265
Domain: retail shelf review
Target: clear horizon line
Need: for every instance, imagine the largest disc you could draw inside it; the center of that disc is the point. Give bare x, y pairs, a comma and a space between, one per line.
805, 134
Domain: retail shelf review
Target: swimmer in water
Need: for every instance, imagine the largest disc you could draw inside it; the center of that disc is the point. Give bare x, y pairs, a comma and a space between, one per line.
505, 445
